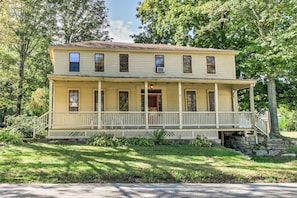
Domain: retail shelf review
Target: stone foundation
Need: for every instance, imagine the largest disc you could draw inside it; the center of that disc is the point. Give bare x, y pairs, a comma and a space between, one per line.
265, 147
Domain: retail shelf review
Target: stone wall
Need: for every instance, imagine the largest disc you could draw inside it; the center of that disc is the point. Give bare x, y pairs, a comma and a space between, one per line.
265, 147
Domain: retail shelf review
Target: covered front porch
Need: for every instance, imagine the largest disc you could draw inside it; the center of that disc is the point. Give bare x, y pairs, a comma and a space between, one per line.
152, 104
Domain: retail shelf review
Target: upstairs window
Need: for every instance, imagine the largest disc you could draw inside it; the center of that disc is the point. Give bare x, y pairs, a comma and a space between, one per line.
74, 62
124, 63
99, 62
187, 64
73, 100
159, 62
211, 66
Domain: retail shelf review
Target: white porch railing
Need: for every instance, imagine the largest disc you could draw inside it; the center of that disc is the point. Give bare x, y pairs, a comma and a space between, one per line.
261, 125
137, 119
199, 119
235, 119
40, 123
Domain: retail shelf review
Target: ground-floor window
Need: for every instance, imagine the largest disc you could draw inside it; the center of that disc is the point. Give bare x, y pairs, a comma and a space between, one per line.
211, 101
191, 100
154, 100
73, 100
123, 101
96, 100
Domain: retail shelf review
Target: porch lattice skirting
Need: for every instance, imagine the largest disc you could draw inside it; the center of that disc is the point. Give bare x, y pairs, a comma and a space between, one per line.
170, 133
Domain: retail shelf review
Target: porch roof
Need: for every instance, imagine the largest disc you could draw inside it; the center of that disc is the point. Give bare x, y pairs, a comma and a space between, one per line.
235, 83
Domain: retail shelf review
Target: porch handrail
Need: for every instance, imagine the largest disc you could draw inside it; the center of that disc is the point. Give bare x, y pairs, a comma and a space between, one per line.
261, 125
137, 119
40, 123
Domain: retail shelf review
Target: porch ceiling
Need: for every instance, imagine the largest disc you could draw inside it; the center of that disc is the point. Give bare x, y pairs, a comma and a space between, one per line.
235, 83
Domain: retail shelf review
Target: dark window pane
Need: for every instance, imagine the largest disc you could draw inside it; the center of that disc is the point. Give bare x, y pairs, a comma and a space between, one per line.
211, 67
74, 62
124, 63
191, 100
123, 101
99, 62
211, 101
187, 66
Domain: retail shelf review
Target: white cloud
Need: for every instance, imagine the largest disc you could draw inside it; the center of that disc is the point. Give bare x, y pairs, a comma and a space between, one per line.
120, 32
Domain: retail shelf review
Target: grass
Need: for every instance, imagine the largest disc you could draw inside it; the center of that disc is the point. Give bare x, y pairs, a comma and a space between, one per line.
65, 163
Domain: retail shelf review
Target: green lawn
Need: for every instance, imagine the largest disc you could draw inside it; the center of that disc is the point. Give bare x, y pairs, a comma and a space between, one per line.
64, 163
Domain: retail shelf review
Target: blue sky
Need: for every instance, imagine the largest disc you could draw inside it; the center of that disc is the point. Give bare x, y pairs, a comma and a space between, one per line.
122, 19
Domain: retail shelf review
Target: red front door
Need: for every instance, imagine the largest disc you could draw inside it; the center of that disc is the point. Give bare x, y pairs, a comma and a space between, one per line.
153, 102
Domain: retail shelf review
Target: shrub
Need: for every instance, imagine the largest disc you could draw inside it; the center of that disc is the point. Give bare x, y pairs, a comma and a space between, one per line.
9, 137
109, 140
159, 136
22, 124
201, 142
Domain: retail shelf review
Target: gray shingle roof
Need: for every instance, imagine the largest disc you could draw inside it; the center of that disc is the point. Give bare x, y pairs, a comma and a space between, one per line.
139, 46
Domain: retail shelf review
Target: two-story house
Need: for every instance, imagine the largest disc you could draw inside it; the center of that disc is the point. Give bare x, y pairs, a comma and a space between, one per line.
133, 89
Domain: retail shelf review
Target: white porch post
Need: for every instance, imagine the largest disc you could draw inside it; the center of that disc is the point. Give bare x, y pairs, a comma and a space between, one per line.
146, 104
180, 105
217, 105
234, 100
99, 105
50, 108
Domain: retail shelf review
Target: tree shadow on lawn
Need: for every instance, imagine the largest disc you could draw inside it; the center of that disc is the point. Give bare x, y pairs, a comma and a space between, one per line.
79, 163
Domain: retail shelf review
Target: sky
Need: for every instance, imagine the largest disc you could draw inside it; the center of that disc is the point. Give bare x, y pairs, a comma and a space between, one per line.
122, 19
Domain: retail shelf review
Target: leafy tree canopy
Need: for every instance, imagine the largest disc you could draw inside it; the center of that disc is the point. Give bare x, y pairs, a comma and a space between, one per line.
264, 30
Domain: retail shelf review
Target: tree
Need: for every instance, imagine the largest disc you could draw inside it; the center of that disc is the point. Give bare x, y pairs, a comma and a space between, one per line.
265, 32
31, 20
28, 27
80, 20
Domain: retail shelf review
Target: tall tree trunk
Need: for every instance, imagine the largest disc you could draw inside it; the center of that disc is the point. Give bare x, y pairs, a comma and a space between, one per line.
20, 87
271, 90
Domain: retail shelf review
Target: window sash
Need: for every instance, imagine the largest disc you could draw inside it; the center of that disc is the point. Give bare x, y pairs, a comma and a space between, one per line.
124, 62
211, 66
73, 100
187, 64
74, 59
99, 62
